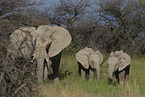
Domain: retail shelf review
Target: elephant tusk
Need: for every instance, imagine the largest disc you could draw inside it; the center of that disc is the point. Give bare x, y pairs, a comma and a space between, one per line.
33, 59
47, 60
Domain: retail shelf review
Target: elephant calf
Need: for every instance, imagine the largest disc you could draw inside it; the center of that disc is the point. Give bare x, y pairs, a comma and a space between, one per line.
119, 66
88, 61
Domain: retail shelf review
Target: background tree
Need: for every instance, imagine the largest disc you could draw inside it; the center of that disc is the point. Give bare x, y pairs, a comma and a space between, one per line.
125, 22
67, 12
18, 13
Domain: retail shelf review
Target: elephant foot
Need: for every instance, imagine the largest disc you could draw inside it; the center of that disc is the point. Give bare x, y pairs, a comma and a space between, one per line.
56, 79
110, 82
83, 74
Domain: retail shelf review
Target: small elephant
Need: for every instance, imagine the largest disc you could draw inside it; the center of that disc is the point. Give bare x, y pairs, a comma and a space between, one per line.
44, 42
88, 61
119, 65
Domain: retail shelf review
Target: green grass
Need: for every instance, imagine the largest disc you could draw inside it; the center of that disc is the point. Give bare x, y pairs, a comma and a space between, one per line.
74, 86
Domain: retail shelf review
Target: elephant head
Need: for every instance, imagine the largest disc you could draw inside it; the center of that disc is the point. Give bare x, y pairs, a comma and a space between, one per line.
120, 59
95, 59
44, 33
83, 55
57, 38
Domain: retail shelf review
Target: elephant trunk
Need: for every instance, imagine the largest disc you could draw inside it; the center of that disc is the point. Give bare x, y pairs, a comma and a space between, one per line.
111, 75
98, 72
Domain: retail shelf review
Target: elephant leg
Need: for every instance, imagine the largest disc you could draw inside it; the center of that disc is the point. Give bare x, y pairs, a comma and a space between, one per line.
40, 70
79, 68
91, 74
55, 65
111, 75
116, 76
126, 79
45, 70
83, 74
98, 72
82, 71
121, 77
127, 74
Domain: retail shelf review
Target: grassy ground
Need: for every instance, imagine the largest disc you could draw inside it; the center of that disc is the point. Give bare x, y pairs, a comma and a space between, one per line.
73, 86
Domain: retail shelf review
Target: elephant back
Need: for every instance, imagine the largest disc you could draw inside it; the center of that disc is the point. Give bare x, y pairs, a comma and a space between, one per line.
83, 55
22, 41
60, 39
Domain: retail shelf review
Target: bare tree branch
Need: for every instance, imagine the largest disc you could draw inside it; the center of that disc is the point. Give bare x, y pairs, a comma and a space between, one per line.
19, 88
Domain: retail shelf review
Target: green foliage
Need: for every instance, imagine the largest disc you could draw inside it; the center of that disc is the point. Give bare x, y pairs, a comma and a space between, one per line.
73, 86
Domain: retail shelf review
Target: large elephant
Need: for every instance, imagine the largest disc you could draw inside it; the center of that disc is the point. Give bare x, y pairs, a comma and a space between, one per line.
44, 42
88, 61
119, 65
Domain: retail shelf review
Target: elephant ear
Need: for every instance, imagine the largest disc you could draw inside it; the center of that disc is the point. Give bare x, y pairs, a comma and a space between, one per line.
125, 60
100, 56
21, 41
61, 38
82, 57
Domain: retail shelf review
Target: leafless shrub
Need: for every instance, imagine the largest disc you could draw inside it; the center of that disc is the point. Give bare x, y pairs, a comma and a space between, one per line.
17, 76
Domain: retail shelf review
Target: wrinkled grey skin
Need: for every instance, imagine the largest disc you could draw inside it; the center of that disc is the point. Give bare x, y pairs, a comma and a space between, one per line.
94, 60
115, 62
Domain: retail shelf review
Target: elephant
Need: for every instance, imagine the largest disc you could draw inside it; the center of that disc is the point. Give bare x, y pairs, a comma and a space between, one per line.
88, 61
43, 43
119, 65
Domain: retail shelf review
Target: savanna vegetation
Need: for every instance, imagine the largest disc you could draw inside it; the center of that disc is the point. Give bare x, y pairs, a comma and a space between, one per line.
72, 85
105, 25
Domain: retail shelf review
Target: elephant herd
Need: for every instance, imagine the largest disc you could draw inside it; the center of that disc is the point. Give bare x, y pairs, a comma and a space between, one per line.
118, 62
45, 43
